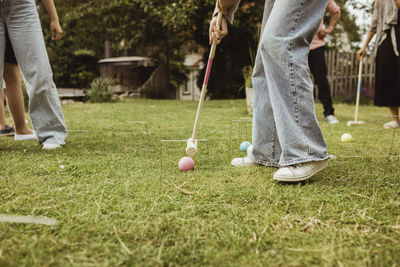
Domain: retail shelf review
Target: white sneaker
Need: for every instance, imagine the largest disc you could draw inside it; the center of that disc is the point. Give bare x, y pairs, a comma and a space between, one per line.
243, 162
391, 125
300, 172
246, 161
51, 146
24, 137
331, 119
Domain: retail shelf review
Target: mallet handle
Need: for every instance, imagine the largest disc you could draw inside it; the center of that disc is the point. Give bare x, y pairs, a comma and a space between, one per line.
205, 83
358, 88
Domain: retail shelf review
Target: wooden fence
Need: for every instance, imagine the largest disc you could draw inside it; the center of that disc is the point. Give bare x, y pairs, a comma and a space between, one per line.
343, 74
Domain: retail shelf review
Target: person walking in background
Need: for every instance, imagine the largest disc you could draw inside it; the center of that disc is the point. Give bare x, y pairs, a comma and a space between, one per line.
21, 19
316, 60
286, 133
386, 26
15, 98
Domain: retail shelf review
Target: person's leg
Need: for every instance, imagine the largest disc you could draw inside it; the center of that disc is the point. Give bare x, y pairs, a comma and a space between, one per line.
15, 98
395, 123
319, 70
2, 49
284, 50
395, 113
265, 149
27, 40
387, 79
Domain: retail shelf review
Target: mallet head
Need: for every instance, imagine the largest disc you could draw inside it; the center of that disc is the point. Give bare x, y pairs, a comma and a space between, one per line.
191, 147
353, 123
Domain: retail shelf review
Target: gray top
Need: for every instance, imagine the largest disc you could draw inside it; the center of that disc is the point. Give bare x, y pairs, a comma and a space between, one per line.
384, 18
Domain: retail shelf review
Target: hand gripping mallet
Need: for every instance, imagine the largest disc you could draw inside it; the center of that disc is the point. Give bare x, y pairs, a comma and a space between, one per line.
191, 148
357, 122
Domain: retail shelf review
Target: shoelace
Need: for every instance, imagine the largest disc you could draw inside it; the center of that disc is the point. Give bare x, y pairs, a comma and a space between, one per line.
295, 166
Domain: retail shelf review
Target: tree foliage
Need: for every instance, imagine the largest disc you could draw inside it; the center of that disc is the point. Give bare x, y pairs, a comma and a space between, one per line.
165, 29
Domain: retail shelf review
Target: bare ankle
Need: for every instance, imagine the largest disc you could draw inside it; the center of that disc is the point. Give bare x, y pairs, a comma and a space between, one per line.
24, 131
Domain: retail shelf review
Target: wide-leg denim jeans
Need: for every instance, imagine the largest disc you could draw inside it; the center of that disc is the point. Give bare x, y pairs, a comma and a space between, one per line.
22, 21
285, 127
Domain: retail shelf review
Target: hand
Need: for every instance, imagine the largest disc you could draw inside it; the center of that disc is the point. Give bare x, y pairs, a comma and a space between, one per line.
56, 30
361, 53
324, 32
217, 33
398, 4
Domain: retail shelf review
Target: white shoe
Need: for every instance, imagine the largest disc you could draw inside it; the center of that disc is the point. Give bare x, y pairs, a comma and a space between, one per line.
243, 162
249, 149
300, 172
246, 161
51, 146
391, 125
24, 137
331, 119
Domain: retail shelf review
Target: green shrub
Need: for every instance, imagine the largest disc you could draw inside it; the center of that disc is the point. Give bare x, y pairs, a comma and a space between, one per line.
100, 90
72, 68
247, 76
226, 79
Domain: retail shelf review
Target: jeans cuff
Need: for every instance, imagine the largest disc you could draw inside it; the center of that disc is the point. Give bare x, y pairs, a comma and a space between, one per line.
267, 163
302, 160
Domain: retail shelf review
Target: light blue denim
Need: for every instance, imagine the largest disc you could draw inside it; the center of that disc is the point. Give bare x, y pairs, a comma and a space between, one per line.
22, 21
285, 128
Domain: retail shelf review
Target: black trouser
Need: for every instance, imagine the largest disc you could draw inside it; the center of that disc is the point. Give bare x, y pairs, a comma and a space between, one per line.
318, 69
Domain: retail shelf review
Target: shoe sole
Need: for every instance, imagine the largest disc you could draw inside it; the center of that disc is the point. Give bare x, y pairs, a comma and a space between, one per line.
303, 178
243, 165
51, 148
7, 134
25, 138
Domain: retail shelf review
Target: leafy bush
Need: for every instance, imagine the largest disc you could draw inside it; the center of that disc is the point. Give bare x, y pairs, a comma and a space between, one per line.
72, 68
248, 70
100, 90
349, 96
247, 76
177, 71
227, 79
84, 68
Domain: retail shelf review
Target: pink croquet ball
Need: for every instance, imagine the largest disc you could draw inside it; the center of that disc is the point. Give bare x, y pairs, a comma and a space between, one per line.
186, 164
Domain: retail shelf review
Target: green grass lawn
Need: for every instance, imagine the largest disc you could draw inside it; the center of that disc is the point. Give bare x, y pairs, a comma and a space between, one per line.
116, 205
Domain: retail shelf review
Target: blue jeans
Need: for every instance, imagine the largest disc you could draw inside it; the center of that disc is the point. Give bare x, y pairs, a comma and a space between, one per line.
285, 127
22, 21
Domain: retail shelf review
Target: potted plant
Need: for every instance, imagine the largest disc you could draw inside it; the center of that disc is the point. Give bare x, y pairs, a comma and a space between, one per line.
248, 84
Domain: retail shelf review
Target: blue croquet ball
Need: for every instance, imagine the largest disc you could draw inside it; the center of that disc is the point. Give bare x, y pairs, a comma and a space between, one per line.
244, 146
